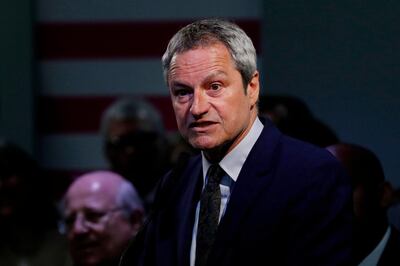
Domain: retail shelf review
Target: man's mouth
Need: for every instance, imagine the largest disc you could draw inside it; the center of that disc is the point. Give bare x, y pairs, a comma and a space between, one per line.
201, 124
85, 246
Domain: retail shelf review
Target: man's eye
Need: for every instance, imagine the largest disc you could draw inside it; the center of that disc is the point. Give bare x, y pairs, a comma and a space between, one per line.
93, 216
181, 92
215, 86
69, 220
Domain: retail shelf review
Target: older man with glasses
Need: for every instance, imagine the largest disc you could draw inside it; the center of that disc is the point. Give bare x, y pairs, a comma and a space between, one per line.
102, 212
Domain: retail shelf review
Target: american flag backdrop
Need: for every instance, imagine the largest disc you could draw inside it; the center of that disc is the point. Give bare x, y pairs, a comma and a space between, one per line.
93, 52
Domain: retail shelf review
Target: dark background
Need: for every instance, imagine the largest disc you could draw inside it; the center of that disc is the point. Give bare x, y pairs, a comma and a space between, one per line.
340, 57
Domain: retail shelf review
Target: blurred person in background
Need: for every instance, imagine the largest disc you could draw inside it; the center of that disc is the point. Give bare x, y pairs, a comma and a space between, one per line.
293, 117
102, 213
376, 242
28, 217
135, 144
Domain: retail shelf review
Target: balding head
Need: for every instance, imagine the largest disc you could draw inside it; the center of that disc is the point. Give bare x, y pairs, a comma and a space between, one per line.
102, 183
371, 194
103, 212
362, 165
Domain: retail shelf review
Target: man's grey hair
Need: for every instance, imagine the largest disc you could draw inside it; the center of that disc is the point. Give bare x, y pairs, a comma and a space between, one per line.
128, 199
139, 110
206, 32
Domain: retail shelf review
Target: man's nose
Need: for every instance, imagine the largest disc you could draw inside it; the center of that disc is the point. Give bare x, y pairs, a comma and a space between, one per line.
79, 225
200, 103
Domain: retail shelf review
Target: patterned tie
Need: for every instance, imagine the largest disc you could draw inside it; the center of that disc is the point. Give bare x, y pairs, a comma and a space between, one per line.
209, 214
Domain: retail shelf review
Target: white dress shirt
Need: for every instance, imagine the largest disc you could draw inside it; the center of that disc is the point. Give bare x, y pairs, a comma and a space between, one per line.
232, 164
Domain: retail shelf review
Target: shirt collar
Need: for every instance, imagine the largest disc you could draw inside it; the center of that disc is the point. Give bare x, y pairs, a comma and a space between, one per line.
232, 162
375, 255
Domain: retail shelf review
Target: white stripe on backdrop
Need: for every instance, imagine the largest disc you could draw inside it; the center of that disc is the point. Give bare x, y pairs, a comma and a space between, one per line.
102, 77
95, 10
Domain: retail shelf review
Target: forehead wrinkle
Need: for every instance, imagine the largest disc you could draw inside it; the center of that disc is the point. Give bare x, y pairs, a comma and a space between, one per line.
182, 76
208, 78
194, 63
189, 67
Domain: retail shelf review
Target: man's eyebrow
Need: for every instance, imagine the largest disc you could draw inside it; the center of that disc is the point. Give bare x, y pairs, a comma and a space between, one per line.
215, 74
178, 84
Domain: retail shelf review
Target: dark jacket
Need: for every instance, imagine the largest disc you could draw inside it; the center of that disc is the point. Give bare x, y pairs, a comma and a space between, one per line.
291, 205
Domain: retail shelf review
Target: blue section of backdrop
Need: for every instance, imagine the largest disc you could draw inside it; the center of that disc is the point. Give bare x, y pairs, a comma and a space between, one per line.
342, 58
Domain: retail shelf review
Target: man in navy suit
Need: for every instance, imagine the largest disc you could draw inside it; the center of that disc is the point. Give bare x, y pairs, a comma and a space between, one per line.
280, 201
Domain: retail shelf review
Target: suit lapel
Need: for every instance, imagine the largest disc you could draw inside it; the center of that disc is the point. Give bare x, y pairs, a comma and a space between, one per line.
254, 178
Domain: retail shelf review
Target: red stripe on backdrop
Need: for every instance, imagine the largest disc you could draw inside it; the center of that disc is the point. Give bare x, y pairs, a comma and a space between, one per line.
82, 114
116, 39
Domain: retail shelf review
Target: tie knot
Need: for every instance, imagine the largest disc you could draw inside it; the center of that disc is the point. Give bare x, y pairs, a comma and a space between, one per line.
215, 173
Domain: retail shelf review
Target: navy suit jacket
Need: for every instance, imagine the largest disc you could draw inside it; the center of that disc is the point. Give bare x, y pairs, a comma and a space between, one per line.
291, 205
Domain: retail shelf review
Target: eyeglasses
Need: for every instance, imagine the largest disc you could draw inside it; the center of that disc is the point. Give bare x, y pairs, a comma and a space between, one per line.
88, 218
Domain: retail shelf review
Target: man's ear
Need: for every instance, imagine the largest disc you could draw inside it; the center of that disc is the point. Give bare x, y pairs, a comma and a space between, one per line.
253, 88
136, 220
387, 194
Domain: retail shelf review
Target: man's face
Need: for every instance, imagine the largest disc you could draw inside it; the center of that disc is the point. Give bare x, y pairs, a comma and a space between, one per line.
127, 144
212, 108
129, 149
97, 230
